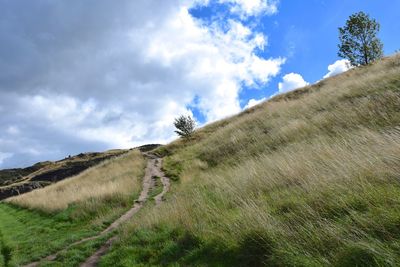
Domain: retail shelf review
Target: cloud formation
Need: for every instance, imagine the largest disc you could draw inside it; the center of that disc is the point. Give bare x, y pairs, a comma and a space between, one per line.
83, 76
253, 102
290, 82
337, 67
252, 7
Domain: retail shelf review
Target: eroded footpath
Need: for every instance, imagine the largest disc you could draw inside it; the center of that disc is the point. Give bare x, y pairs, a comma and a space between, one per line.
153, 170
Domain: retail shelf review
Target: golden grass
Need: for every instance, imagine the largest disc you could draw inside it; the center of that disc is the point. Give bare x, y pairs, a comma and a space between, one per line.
115, 177
351, 161
315, 171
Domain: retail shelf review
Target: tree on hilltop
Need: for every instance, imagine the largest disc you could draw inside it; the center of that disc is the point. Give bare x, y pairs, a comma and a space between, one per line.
358, 40
185, 126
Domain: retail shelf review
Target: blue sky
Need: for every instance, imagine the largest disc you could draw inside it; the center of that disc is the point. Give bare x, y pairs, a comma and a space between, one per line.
306, 34
93, 75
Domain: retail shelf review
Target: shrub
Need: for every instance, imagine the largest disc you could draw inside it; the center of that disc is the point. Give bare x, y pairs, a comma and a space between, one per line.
185, 126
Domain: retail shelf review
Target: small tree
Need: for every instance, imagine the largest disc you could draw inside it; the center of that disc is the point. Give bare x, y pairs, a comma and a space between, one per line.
185, 126
358, 40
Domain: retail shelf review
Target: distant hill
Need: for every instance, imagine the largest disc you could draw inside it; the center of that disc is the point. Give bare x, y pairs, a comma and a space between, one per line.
21, 180
17, 181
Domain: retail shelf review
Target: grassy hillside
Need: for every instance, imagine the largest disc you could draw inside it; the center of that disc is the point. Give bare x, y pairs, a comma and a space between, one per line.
21, 180
111, 179
45, 220
308, 178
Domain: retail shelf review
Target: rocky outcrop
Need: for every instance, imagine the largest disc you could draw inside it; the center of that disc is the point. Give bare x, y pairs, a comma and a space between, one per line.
20, 189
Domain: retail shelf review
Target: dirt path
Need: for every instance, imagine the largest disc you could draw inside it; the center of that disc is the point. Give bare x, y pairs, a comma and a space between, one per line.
153, 169
165, 182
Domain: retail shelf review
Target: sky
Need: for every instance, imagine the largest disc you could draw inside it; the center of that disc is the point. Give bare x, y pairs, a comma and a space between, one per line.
79, 76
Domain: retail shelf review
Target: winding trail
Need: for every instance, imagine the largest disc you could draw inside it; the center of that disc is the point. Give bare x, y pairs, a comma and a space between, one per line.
153, 169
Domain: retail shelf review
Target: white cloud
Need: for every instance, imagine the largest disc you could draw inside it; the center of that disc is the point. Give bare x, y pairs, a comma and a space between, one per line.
262, 70
253, 102
290, 82
220, 59
339, 66
109, 76
252, 7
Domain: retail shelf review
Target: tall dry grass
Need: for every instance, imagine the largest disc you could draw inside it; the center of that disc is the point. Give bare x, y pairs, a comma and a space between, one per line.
352, 163
309, 177
114, 178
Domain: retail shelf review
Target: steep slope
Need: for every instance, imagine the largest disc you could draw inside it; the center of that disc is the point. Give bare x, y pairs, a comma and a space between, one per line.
308, 178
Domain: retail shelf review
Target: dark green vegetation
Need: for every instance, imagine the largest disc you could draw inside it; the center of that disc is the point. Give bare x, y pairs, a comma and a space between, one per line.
9, 176
308, 178
77, 254
184, 126
17, 181
359, 42
5, 252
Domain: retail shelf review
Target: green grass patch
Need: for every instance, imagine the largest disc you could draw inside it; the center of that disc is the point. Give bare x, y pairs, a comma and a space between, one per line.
5, 252
75, 255
164, 246
32, 234
173, 168
158, 188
